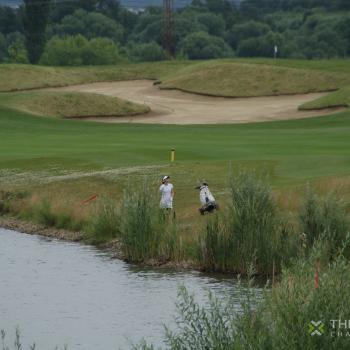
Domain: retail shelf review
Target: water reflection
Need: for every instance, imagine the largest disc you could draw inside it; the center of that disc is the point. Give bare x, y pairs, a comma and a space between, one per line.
66, 293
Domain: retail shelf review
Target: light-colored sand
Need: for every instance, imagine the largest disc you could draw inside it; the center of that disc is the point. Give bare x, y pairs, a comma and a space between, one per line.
176, 107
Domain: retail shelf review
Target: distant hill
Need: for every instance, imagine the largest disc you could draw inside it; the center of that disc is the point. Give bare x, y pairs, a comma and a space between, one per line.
126, 3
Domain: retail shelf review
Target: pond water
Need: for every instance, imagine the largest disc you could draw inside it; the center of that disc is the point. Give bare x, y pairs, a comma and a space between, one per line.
62, 293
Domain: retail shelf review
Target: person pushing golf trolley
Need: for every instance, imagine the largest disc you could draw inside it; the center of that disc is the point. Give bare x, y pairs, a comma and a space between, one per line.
207, 199
167, 193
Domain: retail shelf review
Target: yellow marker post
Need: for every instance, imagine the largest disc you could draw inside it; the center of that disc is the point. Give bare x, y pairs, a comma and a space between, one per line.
172, 155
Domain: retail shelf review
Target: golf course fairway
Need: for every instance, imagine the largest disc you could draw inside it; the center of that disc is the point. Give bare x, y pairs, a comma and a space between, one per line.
64, 162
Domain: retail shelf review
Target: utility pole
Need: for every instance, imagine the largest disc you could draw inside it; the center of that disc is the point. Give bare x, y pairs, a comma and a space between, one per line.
168, 27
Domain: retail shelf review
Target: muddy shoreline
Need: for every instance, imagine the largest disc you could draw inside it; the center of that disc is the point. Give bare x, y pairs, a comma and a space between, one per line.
112, 247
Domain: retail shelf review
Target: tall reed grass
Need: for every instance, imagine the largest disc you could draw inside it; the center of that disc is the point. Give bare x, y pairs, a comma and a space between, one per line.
4, 203
17, 344
278, 321
45, 214
8, 198
250, 231
146, 231
105, 223
325, 219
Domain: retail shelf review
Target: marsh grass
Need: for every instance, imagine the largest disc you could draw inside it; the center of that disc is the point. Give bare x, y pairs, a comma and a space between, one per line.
250, 230
17, 342
290, 307
4, 203
105, 222
8, 199
253, 222
44, 213
279, 319
325, 219
147, 232
213, 325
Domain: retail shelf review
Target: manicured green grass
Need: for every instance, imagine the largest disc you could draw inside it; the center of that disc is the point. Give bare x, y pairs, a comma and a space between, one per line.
340, 98
67, 161
290, 149
236, 79
43, 155
291, 152
70, 104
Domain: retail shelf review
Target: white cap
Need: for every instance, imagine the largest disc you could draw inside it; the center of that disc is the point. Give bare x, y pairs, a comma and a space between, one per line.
166, 177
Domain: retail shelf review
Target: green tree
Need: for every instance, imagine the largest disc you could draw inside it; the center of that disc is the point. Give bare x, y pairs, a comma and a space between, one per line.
68, 51
127, 19
77, 50
214, 24
262, 46
249, 9
332, 43
3, 50
344, 30
109, 8
342, 4
201, 45
89, 24
185, 26
88, 5
17, 52
246, 30
101, 51
35, 20
148, 28
146, 52
9, 20
223, 7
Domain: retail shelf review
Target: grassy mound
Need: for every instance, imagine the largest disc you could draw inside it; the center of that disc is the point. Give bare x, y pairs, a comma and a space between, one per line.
232, 79
71, 104
238, 77
14, 77
340, 98
328, 65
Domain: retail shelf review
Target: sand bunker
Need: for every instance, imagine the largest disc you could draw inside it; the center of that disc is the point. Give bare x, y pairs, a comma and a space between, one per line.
176, 107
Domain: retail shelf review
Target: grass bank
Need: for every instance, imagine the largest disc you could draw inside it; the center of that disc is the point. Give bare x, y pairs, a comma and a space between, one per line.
332, 65
14, 77
251, 230
231, 78
237, 79
71, 104
340, 98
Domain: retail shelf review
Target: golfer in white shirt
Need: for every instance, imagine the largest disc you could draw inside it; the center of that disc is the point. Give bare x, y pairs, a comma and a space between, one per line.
167, 193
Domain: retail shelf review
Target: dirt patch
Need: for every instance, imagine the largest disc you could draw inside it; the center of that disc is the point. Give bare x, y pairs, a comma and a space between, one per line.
176, 107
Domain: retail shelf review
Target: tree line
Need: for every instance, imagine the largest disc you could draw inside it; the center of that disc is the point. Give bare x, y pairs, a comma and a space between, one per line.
104, 32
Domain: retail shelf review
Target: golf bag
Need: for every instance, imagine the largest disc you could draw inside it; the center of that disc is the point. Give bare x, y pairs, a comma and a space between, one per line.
207, 200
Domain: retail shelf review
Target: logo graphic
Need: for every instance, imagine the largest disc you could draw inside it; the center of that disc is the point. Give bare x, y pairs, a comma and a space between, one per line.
316, 328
